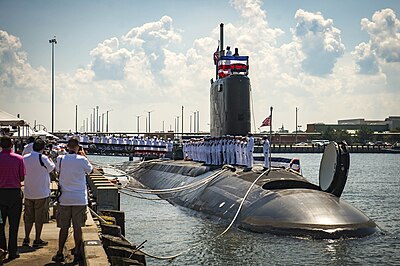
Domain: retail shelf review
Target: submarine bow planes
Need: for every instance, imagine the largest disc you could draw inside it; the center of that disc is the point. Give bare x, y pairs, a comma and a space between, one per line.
278, 200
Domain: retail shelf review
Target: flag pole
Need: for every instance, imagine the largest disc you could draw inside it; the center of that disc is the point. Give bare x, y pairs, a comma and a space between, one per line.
270, 133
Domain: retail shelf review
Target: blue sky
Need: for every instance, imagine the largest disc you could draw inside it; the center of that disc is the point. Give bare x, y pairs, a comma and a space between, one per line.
331, 59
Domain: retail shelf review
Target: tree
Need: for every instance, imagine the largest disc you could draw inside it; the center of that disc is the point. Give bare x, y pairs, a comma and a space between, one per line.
343, 135
328, 133
364, 134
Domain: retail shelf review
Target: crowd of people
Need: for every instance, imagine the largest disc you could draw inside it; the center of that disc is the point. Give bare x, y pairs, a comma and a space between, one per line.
32, 170
233, 150
142, 144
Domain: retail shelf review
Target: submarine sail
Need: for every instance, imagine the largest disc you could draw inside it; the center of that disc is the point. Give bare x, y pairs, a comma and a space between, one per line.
230, 94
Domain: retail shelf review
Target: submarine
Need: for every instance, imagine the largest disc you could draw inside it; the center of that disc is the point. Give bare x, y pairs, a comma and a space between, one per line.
277, 200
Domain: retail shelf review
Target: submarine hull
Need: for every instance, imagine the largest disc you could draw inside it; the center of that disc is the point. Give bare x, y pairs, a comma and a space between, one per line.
280, 203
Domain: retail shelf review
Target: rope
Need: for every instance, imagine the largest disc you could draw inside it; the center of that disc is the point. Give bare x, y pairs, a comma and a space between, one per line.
177, 189
189, 190
241, 203
218, 236
182, 188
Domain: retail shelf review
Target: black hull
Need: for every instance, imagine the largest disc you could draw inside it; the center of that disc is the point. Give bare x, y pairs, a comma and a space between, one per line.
282, 203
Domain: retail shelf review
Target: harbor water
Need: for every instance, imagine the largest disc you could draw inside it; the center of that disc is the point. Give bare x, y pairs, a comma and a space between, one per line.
373, 187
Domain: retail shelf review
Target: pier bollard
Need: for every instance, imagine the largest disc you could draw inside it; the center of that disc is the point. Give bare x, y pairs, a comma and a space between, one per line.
107, 198
109, 240
119, 218
115, 252
101, 183
110, 229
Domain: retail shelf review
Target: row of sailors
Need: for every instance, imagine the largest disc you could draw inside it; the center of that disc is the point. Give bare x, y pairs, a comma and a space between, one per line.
221, 150
143, 143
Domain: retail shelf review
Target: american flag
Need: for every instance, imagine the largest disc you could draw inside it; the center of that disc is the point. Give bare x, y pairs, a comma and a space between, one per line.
266, 122
216, 56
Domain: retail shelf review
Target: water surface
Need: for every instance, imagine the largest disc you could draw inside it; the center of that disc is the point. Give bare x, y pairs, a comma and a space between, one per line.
373, 187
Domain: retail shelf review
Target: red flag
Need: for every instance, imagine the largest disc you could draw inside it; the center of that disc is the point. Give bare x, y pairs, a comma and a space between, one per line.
216, 56
266, 122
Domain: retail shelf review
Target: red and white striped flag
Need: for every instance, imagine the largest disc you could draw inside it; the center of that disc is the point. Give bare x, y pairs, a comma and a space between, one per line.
216, 56
266, 122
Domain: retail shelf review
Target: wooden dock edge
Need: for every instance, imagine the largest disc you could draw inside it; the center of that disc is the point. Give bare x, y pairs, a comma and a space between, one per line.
93, 251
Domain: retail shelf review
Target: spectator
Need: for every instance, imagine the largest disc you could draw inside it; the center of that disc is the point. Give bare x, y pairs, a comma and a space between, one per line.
12, 173
28, 147
73, 200
37, 192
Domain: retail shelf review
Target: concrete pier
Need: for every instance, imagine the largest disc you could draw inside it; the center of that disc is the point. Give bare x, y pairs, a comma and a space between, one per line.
93, 251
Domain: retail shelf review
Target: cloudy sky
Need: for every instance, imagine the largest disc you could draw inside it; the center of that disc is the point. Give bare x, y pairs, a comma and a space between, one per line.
331, 59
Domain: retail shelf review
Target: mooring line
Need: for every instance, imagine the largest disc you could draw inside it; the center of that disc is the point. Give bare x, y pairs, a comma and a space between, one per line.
218, 236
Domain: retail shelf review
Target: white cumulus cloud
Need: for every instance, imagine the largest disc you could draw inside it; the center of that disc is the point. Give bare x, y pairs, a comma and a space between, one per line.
319, 42
18, 80
384, 43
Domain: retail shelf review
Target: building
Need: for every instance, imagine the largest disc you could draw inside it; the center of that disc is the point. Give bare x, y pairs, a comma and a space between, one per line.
391, 124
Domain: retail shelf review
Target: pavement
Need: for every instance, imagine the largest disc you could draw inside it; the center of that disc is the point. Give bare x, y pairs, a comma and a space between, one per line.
30, 256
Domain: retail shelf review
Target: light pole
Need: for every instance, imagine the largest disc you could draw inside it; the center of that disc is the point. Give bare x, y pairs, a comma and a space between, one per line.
138, 123
177, 124
98, 120
102, 122
53, 42
190, 123
149, 120
94, 120
107, 120
91, 122
182, 121
76, 118
295, 138
198, 120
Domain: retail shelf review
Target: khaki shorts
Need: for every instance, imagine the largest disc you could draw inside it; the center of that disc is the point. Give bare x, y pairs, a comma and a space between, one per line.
66, 214
36, 210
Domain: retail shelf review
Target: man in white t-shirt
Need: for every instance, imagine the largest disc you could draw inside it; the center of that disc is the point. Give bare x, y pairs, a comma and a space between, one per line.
72, 168
37, 192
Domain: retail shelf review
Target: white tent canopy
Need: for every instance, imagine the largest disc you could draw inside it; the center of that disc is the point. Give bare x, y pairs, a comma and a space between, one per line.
7, 119
42, 133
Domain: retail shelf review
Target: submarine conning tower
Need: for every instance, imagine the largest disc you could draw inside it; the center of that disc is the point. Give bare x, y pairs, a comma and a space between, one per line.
230, 93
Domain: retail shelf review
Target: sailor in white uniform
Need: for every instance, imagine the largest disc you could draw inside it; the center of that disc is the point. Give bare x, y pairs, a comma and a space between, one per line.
249, 151
266, 148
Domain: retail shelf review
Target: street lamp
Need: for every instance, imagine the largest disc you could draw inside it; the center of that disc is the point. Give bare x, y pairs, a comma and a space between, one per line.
295, 138
52, 41
138, 123
182, 120
97, 119
198, 120
102, 122
94, 120
107, 120
149, 112
76, 118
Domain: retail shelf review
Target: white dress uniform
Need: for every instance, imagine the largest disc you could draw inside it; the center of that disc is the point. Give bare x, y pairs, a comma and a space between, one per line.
266, 153
249, 151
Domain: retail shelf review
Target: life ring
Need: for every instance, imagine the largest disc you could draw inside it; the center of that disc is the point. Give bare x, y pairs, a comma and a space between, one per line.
334, 168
